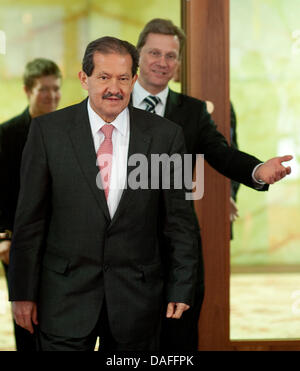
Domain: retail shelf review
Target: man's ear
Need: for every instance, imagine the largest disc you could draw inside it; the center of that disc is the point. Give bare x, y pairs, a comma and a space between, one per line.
135, 77
83, 79
27, 91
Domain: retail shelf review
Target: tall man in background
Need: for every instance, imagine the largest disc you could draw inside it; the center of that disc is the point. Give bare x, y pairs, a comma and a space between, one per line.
160, 44
42, 82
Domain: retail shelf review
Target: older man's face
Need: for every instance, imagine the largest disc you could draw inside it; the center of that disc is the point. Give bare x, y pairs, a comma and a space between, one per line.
159, 59
110, 84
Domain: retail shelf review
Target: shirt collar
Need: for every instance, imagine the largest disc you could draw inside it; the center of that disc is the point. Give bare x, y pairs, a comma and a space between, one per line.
139, 94
120, 123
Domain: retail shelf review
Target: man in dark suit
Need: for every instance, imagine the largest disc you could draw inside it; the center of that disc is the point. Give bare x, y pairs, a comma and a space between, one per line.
42, 80
234, 186
160, 44
92, 259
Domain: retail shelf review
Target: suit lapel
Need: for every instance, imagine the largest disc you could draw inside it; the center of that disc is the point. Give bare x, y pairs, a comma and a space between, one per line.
83, 145
173, 101
139, 143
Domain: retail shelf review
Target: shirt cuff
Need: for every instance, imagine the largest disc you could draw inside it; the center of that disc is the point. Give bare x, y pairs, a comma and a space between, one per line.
258, 184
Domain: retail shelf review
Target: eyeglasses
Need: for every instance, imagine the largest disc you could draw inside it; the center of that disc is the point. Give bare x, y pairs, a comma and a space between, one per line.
156, 54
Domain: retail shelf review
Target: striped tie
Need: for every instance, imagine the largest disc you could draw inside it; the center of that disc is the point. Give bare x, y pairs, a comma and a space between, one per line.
104, 157
151, 102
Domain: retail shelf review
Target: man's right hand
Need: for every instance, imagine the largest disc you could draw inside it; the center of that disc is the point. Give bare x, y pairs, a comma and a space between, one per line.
25, 313
4, 250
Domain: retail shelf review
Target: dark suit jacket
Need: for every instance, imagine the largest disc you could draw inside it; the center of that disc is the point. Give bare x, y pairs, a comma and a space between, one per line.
13, 135
233, 142
67, 254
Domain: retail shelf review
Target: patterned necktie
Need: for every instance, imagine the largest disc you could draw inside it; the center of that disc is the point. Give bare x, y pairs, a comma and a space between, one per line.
104, 157
151, 102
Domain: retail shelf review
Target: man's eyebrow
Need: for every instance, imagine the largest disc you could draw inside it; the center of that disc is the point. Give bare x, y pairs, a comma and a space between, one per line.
102, 73
154, 48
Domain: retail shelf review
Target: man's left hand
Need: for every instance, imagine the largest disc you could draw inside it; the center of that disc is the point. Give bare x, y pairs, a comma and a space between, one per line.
272, 170
234, 212
175, 310
4, 250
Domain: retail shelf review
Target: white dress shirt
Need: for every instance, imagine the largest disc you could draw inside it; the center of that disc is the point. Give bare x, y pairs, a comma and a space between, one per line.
120, 141
139, 94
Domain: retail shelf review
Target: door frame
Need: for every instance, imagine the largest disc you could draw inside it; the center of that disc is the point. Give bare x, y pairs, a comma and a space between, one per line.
205, 75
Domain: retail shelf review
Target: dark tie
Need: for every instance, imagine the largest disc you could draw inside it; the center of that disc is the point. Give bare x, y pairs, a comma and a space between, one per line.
151, 102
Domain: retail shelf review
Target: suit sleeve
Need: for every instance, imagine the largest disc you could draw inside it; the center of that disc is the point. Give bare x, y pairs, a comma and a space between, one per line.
233, 142
2, 179
5, 221
180, 232
229, 161
30, 220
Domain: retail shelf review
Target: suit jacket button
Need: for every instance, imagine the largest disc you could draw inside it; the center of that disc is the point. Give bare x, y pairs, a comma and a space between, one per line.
106, 267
